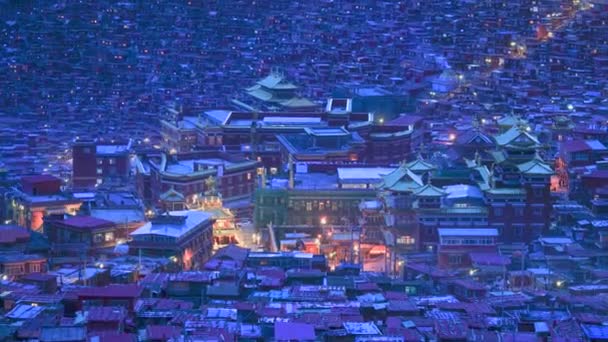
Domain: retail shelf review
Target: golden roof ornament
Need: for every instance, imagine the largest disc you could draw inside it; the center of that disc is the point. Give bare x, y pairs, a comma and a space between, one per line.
211, 186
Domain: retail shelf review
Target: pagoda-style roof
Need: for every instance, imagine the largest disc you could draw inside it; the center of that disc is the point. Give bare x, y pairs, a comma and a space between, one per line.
275, 89
419, 165
508, 121
536, 166
276, 81
260, 94
485, 175
474, 137
172, 195
498, 156
429, 190
298, 102
507, 191
401, 179
517, 137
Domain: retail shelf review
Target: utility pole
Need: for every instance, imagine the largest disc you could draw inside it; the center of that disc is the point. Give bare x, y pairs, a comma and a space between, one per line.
352, 244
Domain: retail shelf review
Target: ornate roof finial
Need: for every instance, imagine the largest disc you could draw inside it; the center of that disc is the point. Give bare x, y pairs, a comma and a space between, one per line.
211, 185
476, 122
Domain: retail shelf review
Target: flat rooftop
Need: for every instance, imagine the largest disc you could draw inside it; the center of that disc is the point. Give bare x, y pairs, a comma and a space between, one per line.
362, 174
184, 167
193, 219
467, 232
111, 149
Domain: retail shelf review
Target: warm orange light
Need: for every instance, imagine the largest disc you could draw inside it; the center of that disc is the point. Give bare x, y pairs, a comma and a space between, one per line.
187, 258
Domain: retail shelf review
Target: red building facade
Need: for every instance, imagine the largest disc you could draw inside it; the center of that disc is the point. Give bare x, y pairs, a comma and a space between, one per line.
456, 245
94, 162
188, 174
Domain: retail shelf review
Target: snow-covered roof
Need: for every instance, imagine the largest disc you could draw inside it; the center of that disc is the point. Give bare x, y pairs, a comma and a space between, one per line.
363, 174
174, 229
111, 149
462, 191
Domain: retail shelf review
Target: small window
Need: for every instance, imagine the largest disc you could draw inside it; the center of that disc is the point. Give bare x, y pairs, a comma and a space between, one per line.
109, 236
518, 211
406, 240
455, 259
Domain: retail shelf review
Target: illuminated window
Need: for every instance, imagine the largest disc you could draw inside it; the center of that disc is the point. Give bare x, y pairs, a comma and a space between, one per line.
406, 240
109, 236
